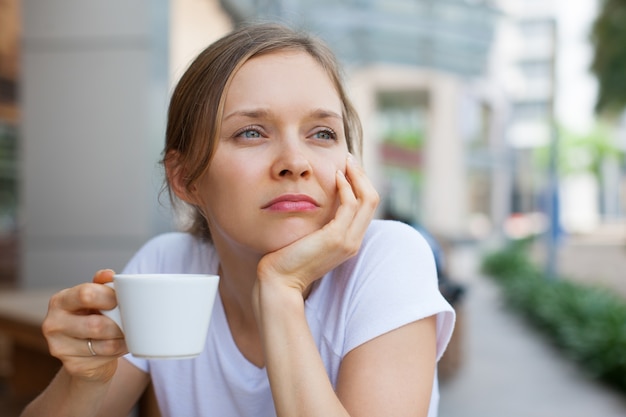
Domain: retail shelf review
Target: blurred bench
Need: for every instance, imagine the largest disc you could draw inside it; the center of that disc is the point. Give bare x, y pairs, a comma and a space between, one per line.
8, 260
30, 365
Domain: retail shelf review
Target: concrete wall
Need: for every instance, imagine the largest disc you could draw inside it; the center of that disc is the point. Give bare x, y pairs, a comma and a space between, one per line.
94, 90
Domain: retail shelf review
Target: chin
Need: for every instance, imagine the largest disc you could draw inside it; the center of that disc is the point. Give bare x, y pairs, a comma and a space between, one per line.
288, 234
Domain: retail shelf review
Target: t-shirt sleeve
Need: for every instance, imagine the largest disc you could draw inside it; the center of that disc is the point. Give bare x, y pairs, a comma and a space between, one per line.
396, 285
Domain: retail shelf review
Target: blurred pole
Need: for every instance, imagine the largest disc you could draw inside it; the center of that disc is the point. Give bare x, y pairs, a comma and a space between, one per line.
553, 232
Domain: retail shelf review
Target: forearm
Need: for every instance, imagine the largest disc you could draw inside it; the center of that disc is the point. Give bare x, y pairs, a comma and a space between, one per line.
67, 396
298, 379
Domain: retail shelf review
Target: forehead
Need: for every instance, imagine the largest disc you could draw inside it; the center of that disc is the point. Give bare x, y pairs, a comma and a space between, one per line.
283, 75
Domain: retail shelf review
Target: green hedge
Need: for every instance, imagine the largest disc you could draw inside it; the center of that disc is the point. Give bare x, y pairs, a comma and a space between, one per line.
587, 323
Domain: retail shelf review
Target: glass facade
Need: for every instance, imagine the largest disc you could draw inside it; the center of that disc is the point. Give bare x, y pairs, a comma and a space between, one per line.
451, 35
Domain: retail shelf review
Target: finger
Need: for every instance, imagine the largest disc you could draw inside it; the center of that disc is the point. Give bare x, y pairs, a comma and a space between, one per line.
66, 324
366, 195
102, 347
67, 336
354, 213
103, 276
69, 347
78, 359
348, 203
363, 190
86, 297
362, 187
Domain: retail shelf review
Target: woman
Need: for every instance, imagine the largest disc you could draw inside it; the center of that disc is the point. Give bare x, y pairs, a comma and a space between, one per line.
322, 311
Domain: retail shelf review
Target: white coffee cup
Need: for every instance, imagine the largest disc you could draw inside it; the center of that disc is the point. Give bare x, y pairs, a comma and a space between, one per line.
164, 316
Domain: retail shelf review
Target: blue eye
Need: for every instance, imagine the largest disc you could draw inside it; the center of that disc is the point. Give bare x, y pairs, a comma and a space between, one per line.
248, 133
326, 134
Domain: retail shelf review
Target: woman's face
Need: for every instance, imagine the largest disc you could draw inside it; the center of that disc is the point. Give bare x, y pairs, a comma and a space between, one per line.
272, 179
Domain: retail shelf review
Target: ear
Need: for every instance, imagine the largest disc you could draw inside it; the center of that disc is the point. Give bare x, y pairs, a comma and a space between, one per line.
176, 178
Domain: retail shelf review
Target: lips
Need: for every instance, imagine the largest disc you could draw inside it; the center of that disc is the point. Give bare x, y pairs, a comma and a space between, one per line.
291, 203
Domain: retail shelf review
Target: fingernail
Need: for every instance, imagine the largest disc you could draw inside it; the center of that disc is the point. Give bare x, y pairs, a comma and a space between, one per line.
352, 160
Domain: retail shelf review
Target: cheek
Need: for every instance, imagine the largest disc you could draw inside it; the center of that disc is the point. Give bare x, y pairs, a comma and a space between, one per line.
327, 173
225, 214
221, 180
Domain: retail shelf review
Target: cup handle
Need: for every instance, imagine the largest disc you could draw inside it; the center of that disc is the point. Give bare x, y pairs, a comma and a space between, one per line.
113, 314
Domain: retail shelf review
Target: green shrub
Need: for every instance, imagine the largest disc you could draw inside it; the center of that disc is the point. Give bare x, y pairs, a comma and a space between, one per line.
588, 323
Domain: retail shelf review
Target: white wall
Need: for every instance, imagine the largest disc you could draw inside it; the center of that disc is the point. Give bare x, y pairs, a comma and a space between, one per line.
576, 86
93, 99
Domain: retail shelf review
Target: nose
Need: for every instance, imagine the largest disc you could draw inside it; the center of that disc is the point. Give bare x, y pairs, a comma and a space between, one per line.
291, 162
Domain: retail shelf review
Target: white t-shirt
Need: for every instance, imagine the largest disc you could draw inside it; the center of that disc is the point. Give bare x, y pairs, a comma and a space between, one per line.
391, 282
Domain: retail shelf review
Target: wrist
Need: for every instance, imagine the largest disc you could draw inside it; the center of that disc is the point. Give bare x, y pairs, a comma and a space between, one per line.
274, 296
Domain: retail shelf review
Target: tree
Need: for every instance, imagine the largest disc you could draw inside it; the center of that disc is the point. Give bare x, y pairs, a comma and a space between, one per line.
608, 37
581, 152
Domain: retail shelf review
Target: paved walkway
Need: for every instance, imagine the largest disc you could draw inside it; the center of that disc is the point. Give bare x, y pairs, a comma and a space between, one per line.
509, 370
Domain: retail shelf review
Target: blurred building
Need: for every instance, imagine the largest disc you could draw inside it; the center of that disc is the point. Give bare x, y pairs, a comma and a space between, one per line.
524, 66
542, 58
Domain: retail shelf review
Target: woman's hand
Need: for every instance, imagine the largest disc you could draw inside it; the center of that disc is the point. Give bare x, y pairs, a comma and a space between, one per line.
309, 258
73, 320
294, 367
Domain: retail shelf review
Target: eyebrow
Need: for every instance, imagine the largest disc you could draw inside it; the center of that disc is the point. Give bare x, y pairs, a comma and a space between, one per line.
252, 114
320, 113
325, 114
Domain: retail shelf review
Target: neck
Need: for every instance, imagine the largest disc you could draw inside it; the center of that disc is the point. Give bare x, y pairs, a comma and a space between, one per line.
235, 289
238, 270
237, 273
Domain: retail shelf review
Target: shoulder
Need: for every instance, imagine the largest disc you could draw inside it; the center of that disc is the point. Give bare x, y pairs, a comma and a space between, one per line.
391, 252
391, 227
390, 236
391, 282
394, 261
